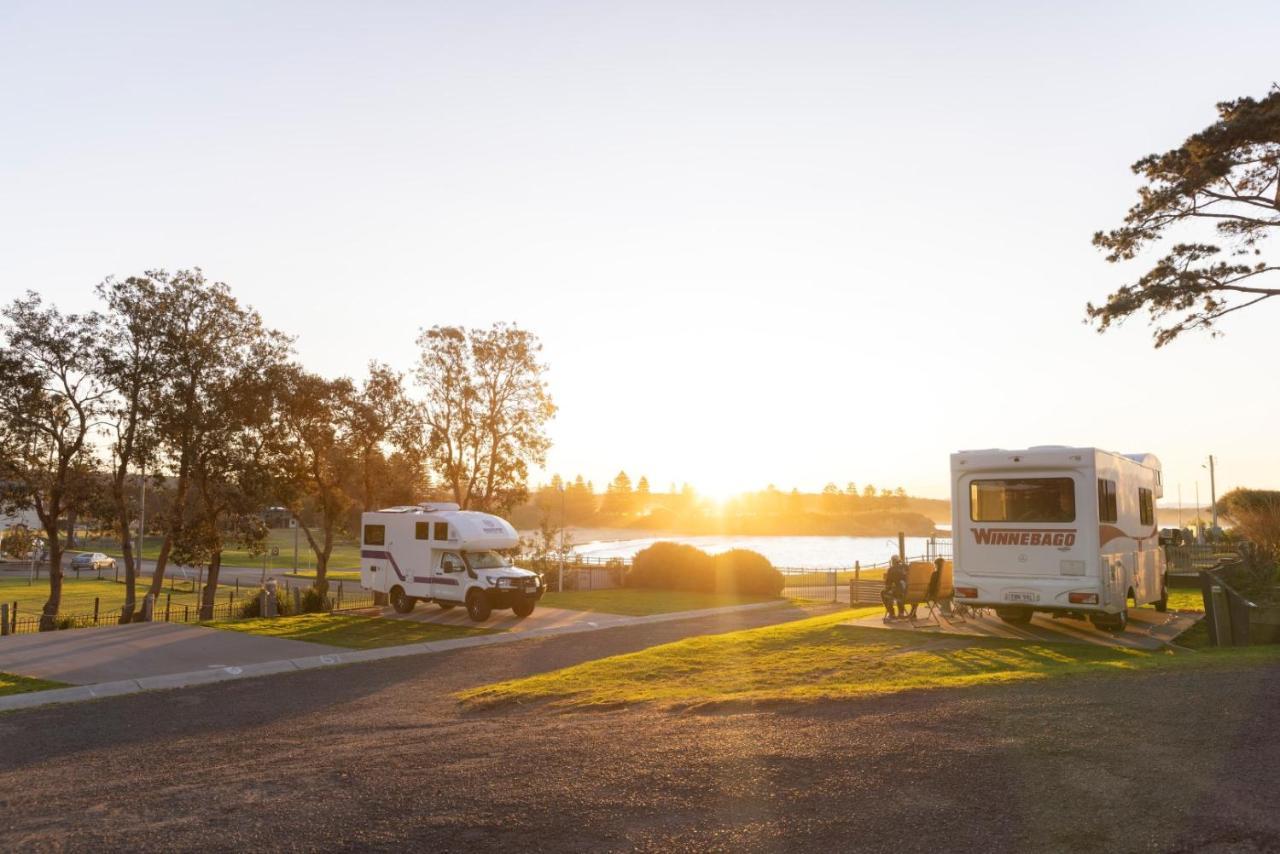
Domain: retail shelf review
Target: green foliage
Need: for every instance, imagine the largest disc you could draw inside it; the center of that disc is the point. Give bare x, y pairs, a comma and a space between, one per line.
1223, 179
1256, 514
675, 566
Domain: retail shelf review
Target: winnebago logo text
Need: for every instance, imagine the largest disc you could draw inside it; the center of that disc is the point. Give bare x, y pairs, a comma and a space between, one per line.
1024, 537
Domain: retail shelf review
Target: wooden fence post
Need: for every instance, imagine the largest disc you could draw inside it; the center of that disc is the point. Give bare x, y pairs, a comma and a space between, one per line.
297, 601
95, 610
4, 618
168, 598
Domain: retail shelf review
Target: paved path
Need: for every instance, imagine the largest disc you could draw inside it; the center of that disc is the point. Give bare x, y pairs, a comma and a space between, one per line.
175, 656
541, 618
1148, 628
90, 656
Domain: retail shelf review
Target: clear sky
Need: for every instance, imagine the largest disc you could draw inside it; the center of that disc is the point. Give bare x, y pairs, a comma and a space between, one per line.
784, 242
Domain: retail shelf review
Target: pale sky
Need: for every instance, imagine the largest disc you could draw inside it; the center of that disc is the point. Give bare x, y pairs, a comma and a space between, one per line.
762, 242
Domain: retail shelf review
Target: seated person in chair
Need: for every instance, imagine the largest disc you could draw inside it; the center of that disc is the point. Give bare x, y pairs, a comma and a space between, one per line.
895, 589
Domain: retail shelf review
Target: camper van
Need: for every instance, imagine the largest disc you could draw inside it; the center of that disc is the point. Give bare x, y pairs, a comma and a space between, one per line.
1070, 531
438, 553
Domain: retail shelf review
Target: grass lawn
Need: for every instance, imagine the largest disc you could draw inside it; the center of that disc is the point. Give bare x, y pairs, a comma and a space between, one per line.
349, 630
818, 659
346, 554
78, 595
11, 684
635, 602
333, 574
1182, 599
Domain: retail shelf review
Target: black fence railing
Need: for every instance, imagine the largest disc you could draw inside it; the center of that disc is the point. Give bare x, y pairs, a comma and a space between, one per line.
15, 620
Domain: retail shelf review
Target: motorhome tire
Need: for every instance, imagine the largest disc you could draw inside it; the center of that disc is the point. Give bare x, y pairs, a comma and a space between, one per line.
1116, 623
402, 603
478, 607
523, 609
1015, 616
1162, 604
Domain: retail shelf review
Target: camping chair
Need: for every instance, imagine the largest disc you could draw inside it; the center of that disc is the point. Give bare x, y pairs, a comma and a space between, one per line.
919, 576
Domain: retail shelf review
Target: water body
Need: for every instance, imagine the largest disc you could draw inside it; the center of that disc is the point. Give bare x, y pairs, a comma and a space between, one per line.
806, 552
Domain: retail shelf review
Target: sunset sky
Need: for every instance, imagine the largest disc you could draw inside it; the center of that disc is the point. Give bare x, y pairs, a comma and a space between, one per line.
762, 242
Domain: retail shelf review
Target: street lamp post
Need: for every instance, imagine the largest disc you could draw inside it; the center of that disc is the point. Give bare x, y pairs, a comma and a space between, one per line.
561, 586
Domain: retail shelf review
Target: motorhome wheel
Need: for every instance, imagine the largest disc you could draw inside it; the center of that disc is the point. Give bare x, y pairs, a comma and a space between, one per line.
402, 603
478, 607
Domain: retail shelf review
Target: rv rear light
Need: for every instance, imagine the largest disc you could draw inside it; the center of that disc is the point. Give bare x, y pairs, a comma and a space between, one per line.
967, 592
1071, 567
1082, 598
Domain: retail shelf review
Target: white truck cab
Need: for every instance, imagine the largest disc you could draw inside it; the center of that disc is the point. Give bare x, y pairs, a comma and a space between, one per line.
438, 553
1057, 529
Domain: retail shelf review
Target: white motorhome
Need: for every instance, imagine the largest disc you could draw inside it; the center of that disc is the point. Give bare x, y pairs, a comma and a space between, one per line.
438, 553
1058, 529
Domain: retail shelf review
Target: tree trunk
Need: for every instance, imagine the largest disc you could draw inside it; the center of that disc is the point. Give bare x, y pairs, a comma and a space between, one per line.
175, 525
126, 550
210, 593
48, 617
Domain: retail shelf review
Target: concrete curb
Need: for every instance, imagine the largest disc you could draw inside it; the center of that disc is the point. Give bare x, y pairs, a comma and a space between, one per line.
167, 681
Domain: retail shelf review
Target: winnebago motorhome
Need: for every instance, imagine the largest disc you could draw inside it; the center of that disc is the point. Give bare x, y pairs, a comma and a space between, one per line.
438, 553
1051, 528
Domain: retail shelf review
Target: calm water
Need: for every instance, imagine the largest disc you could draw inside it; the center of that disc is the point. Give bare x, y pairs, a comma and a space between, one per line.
810, 552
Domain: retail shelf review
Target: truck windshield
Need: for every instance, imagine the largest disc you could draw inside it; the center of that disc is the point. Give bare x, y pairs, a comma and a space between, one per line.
484, 560
1023, 499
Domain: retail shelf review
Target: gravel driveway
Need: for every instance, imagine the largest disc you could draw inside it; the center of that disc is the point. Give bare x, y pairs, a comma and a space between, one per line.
379, 757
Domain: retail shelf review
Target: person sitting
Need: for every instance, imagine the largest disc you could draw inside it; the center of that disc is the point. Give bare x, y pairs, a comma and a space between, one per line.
895, 589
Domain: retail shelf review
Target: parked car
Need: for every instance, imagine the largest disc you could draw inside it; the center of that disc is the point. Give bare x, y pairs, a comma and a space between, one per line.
92, 561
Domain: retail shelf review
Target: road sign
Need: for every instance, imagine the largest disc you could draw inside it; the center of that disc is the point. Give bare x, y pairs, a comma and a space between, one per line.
275, 551
293, 523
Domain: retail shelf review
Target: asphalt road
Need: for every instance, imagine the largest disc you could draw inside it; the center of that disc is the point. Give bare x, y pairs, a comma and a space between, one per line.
379, 757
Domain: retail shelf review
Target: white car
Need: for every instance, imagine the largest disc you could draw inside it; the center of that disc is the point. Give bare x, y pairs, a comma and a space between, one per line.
92, 561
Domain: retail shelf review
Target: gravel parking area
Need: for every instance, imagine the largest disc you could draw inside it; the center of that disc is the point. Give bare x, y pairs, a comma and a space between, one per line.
380, 757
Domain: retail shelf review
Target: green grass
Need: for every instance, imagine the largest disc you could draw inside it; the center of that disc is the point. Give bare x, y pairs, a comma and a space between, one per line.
78, 594
11, 684
820, 659
346, 554
333, 574
1181, 599
634, 602
349, 631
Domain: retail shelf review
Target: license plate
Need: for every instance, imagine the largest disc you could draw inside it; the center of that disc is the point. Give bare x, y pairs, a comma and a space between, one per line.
1022, 597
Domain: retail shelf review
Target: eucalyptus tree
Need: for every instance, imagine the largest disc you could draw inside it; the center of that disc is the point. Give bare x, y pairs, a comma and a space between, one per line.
318, 456
130, 359
52, 399
1222, 181
211, 342
484, 411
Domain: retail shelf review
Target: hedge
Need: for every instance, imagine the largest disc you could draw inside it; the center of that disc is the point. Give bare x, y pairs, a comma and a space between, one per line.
675, 566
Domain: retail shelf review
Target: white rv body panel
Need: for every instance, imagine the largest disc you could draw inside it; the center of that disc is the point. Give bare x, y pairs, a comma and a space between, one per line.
436, 552
1017, 543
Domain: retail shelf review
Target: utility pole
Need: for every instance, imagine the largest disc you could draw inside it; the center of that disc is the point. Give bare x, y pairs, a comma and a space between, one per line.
142, 517
561, 536
1213, 494
1179, 506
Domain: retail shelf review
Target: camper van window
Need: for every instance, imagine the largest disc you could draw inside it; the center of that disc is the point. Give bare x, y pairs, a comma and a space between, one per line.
1146, 507
422, 530
484, 560
375, 535
1023, 499
442, 531
1107, 510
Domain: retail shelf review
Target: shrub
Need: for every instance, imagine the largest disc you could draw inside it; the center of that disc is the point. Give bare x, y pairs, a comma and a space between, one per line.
674, 566
745, 571
284, 604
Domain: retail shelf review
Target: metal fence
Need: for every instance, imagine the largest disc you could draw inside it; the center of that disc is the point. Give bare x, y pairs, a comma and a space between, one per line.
17, 621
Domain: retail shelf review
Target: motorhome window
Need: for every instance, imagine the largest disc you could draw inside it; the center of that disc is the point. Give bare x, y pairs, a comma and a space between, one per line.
484, 560
375, 535
1023, 499
442, 531
451, 563
1107, 511
422, 530
1146, 507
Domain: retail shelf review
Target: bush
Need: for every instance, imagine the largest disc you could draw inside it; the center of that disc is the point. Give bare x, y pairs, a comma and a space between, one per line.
674, 566
745, 571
